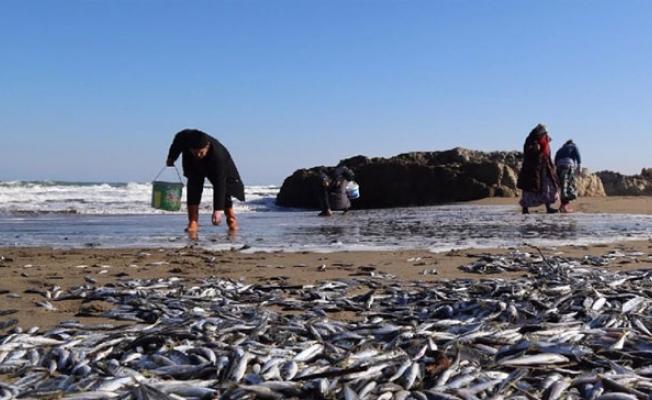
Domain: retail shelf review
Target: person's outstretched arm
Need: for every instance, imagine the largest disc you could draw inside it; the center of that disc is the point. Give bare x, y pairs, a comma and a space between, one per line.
175, 149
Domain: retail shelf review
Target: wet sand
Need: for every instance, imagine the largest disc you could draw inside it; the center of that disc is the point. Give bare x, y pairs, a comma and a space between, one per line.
29, 275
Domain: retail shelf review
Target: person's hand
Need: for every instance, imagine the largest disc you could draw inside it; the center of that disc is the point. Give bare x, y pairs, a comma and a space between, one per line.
169, 162
217, 217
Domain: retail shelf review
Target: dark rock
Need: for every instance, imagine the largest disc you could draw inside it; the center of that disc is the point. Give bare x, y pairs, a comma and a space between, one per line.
415, 179
424, 178
616, 184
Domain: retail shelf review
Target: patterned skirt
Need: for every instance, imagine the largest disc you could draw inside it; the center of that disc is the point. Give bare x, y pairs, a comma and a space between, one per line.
548, 194
567, 186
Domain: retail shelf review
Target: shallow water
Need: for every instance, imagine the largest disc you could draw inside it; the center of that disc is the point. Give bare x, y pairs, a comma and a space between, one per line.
437, 229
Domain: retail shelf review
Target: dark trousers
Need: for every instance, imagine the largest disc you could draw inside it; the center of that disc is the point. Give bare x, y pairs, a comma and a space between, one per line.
195, 190
323, 199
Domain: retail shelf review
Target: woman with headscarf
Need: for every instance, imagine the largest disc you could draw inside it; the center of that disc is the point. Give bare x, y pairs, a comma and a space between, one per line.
568, 163
537, 178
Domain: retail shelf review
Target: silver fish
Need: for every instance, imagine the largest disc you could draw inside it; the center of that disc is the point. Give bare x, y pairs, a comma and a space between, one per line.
537, 359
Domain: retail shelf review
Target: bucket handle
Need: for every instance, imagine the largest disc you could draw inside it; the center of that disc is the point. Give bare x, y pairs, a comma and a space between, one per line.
178, 174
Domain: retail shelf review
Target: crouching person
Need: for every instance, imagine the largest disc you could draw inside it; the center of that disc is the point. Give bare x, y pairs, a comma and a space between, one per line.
333, 183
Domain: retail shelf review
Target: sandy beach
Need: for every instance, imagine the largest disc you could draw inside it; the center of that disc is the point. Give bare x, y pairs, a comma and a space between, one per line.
28, 276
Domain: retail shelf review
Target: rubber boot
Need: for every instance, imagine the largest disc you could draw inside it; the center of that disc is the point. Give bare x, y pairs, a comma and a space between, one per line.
230, 219
565, 208
193, 219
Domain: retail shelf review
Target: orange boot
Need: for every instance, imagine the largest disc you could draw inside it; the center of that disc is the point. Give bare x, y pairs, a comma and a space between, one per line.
230, 219
193, 219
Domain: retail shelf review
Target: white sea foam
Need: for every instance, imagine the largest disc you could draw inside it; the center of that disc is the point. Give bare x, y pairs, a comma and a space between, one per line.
108, 198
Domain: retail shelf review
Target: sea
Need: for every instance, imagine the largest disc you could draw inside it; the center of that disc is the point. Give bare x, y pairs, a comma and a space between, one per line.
68, 215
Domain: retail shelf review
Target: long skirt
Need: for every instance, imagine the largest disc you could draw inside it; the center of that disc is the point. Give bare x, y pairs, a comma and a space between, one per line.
548, 194
567, 184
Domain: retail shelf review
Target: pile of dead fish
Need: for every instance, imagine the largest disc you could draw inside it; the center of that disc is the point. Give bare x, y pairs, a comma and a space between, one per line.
568, 329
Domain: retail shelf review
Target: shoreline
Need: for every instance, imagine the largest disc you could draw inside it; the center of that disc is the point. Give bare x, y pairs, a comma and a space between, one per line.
30, 276
591, 205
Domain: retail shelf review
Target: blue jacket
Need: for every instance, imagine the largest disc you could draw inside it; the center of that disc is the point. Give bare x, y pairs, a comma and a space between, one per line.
569, 150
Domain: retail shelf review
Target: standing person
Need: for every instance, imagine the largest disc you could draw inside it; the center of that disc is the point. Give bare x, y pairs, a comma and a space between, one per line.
568, 163
332, 190
205, 157
537, 178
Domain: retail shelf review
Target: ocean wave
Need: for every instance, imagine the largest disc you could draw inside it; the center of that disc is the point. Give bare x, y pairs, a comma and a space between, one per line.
45, 196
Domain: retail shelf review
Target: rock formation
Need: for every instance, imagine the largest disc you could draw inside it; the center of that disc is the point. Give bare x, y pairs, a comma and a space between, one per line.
589, 185
424, 178
616, 184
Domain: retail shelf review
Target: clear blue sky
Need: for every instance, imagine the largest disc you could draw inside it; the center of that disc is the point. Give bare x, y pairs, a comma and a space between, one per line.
95, 90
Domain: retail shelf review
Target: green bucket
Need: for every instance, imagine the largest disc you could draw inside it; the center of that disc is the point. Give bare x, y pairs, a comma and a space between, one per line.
166, 195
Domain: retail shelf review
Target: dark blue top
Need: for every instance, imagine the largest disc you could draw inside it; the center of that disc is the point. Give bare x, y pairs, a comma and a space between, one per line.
569, 150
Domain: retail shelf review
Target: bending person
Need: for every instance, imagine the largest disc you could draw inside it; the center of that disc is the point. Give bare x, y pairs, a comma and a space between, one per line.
568, 163
203, 156
332, 190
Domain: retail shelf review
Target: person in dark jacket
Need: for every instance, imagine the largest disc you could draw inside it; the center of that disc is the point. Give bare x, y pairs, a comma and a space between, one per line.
537, 178
568, 163
332, 190
205, 157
